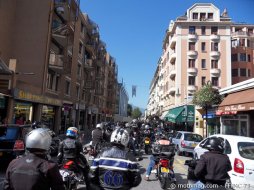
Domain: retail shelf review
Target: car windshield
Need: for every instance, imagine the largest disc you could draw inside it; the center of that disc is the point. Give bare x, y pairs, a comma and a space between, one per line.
8, 133
192, 137
246, 150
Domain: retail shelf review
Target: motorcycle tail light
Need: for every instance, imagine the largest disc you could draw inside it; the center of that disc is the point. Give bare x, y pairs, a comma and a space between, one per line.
67, 165
19, 145
164, 163
238, 166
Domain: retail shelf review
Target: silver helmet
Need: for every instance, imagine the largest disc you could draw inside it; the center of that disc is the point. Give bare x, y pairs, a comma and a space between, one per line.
120, 136
38, 139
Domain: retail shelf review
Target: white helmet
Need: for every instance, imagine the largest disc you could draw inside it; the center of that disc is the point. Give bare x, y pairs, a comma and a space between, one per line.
147, 127
99, 125
120, 136
38, 139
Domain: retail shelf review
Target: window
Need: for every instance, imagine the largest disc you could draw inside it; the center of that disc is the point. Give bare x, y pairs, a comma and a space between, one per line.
52, 81
214, 64
195, 16
203, 46
191, 45
248, 43
214, 46
215, 81
234, 57
80, 48
242, 42
191, 80
77, 91
202, 16
203, 63
234, 72
246, 150
242, 57
249, 58
203, 28
243, 72
79, 70
210, 16
82, 28
67, 87
191, 63
203, 81
249, 75
214, 30
192, 30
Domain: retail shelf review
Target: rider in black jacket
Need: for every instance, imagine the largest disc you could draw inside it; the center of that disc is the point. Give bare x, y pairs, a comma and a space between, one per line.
213, 166
33, 171
71, 149
114, 168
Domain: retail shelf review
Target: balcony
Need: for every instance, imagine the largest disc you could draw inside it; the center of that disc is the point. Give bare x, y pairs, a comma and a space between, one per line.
172, 73
192, 71
172, 43
191, 88
69, 50
172, 58
214, 37
172, 90
89, 64
56, 61
215, 71
242, 34
192, 37
90, 46
192, 53
99, 92
215, 54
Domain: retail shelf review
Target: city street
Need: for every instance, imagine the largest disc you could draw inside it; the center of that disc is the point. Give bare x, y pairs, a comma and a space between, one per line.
179, 167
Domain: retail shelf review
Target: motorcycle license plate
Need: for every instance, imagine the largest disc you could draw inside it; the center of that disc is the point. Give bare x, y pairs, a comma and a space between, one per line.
164, 170
147, 142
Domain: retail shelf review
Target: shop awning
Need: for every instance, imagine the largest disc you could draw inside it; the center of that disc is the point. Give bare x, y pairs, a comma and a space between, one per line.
178, 114
238, 101
163, 114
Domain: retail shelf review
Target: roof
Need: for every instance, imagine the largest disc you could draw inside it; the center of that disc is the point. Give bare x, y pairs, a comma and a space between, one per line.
234, 137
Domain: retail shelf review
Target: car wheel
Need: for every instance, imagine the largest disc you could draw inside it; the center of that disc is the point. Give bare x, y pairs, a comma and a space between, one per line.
178, 152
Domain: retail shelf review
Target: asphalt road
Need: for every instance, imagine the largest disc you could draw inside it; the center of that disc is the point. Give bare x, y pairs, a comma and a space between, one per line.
179, 168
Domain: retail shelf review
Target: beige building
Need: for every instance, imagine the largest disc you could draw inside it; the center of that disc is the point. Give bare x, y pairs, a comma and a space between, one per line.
196, 49
61, 68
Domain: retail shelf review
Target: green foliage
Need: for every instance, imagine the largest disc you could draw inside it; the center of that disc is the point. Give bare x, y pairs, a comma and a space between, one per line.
129, 110
207, 96
136, 113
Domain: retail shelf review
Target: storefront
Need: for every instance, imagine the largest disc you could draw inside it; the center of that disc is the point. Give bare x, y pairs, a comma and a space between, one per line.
29, 107
236, 113
182, 117
213, 122
3, 108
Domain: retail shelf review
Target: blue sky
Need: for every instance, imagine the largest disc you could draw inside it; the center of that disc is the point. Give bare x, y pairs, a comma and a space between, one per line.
133, 31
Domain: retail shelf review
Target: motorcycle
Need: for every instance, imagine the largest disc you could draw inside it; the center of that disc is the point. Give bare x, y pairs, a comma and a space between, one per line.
91, 151
165, 172
72, 176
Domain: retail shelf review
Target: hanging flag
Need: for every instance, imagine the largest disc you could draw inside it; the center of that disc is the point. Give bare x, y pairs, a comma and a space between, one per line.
134, 88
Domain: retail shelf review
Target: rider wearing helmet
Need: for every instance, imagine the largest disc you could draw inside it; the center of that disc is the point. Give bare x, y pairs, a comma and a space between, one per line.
71, 149
114, 168
97, 134
45, 173
213, 165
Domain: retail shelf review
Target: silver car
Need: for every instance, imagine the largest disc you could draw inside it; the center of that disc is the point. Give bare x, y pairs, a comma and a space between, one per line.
185, 142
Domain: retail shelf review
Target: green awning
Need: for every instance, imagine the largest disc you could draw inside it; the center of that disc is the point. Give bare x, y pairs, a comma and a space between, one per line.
178, 115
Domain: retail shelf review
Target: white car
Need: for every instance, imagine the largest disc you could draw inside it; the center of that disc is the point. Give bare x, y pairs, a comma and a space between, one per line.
240, 151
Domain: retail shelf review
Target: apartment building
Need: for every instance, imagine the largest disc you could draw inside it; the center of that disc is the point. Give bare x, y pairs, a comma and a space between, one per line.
242, 52
196, 49
61, 68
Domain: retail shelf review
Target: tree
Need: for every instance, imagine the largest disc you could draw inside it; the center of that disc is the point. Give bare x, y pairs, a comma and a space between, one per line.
206, 97
136, 113
129, 110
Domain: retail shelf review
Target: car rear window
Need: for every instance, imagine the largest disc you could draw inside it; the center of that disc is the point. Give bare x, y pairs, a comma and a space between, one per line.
8, 133
192, 137
246, 150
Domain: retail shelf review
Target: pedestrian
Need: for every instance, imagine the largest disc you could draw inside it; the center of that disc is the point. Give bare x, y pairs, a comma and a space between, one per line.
33, 171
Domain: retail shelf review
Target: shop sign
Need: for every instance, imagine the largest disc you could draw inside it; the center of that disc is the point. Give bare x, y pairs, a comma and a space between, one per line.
20, 94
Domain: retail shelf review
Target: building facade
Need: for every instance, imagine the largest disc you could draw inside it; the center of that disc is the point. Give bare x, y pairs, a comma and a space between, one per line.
59, 63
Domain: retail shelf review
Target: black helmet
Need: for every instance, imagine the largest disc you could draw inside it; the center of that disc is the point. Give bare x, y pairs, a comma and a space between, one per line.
216, 144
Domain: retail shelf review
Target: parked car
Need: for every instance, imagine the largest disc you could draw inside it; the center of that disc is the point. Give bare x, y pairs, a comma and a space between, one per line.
12, 140
185, 141
240, 151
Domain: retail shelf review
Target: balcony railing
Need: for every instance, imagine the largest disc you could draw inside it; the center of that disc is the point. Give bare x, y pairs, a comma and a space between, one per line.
242, 33
56, 61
